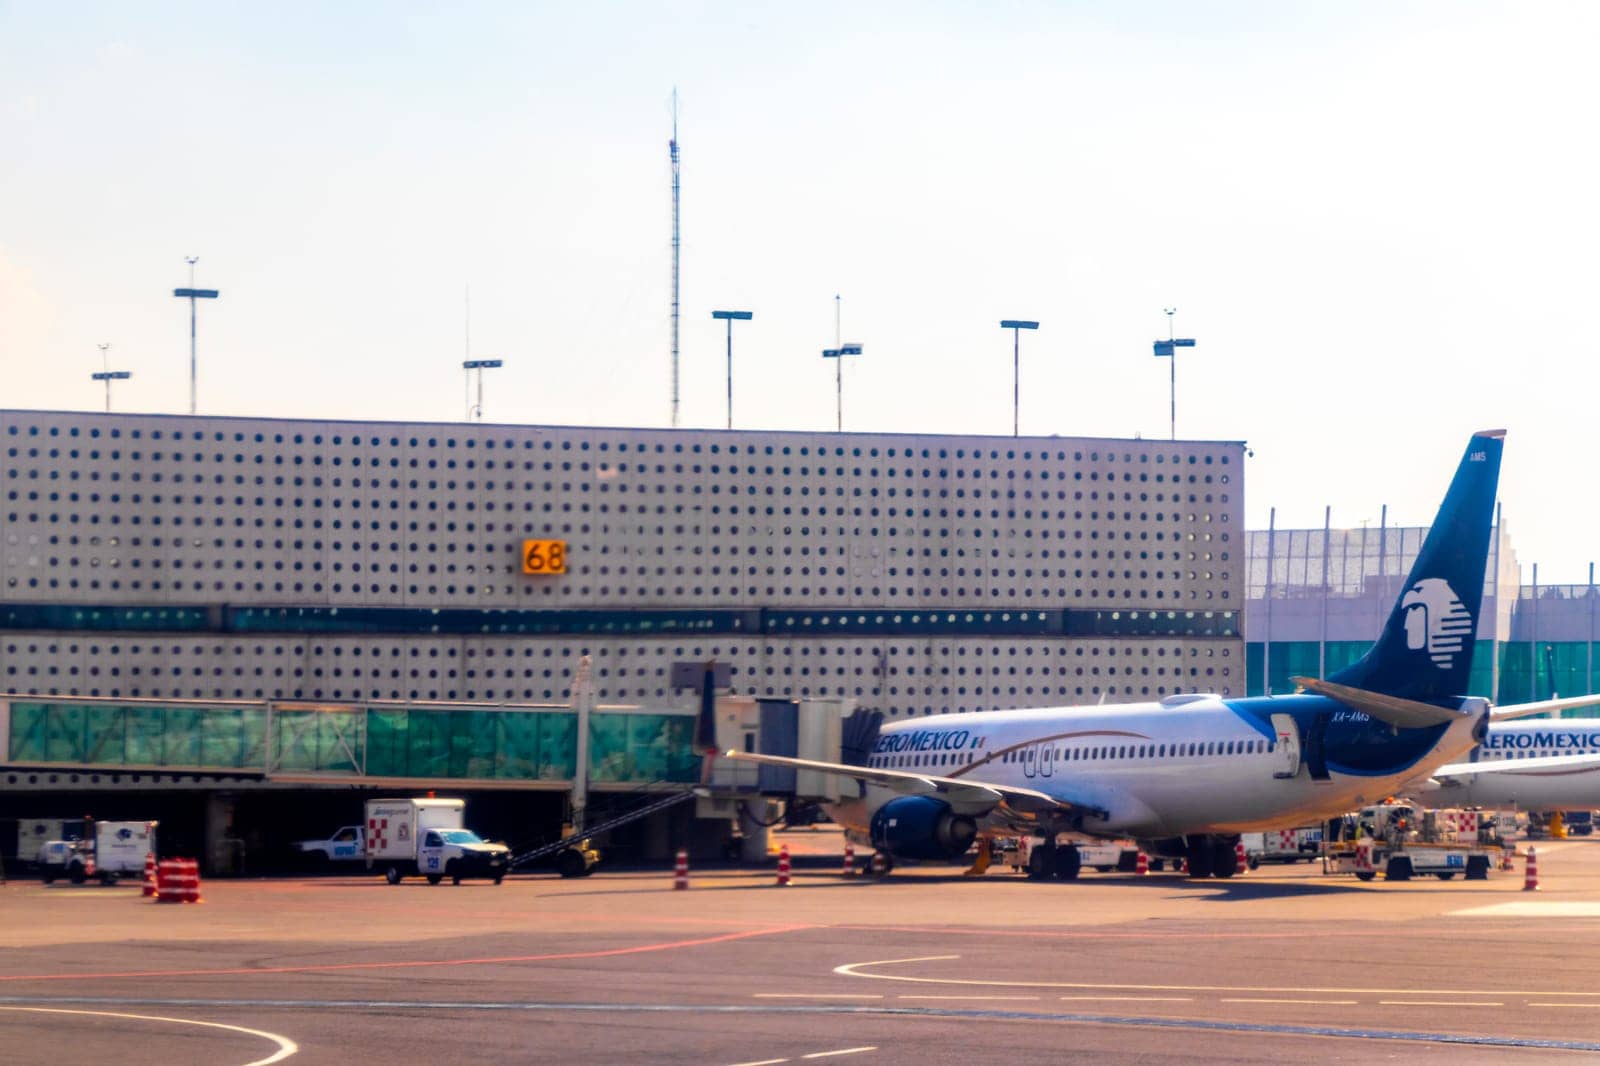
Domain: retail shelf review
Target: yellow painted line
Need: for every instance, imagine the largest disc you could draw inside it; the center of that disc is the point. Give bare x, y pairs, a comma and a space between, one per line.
841, 1051
286, 1047
814, 995
1309, 1002
858, 969
1437, 1003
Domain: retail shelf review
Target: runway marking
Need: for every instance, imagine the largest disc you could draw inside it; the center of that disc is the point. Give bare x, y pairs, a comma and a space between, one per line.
813, 995
856, 969
1530, 908
1130, 999
841, 1051
1438, 1003
762, 1062
858, 1010
411, 963
969, 999
1308, 1002
1581, 1006
286, 1047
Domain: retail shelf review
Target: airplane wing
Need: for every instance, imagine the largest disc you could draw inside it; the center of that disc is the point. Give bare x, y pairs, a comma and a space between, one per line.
1525, 710
1548, 763
956, 789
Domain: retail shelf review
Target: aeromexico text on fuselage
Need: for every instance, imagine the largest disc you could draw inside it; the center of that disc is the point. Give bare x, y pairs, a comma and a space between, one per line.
923, 740
1574, 738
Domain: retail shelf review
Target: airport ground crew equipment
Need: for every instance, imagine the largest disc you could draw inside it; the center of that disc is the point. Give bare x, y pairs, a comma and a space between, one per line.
107, 851
1396, 843
427, 836
578, 858
680, 871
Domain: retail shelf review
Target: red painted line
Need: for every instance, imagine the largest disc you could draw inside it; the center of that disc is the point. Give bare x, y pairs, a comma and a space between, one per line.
413, 963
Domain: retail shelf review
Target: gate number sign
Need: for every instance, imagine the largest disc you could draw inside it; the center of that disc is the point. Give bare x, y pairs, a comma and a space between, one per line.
544, 557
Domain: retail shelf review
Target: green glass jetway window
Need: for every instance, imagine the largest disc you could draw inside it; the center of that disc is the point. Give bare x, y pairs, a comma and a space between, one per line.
642, 748
117, 735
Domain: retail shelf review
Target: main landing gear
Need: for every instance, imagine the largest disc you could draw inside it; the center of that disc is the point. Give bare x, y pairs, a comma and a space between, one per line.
1211, 856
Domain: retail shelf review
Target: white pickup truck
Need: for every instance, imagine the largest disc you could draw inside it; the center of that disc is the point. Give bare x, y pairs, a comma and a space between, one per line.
347, 843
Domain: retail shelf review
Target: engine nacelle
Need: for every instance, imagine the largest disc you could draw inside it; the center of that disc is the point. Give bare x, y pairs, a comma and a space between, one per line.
921, 827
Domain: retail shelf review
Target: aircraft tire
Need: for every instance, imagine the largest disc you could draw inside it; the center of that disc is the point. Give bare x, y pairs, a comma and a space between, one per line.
1066, 864
1224, 862
1199, 858
1041, 863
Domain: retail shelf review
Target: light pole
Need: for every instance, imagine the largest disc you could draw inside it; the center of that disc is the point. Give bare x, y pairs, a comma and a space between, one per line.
193, 294
480, 365
730, 317
837, 355
1016, 326
1169, 349
108, 375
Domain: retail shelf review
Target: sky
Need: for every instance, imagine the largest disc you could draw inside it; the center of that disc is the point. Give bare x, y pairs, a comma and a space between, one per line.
1377, 220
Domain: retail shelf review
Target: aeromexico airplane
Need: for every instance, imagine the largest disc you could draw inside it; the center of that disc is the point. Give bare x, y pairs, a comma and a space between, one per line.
1540, 765
1185, 776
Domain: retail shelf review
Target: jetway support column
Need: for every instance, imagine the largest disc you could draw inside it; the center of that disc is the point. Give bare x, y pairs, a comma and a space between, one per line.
752, 814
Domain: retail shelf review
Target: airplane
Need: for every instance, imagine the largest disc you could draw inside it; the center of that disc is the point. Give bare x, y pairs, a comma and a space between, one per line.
1187, 774
1542, 765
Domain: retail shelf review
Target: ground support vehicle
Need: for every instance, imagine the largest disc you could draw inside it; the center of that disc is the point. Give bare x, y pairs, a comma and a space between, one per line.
1402, 861
346, 843
427, 836
1065, 859
111, 850
1283, 845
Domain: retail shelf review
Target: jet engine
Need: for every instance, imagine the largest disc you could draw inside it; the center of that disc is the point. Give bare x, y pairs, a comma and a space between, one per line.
921, 827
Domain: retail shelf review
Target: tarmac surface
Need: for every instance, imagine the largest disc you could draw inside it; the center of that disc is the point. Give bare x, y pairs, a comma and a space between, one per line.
927, 967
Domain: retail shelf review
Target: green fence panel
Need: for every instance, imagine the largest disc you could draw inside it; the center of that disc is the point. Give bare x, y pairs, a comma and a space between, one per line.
558, 746
387, 740
106, 735
429, 736
146, 727
27, 732
63, 733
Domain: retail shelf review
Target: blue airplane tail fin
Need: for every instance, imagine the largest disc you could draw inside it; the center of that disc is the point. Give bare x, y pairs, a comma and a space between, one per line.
1425, 650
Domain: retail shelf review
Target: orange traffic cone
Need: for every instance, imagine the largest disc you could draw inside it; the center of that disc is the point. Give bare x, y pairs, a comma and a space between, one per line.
680, 871
1530, 880
149, 873
1141, 865
849, 859
1240, 863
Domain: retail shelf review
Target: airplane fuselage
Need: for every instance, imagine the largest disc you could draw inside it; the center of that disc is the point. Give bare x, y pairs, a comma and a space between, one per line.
1547, 789
1190, 764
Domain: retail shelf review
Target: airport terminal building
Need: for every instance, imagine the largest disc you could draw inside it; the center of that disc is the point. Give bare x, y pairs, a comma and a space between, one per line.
171, 557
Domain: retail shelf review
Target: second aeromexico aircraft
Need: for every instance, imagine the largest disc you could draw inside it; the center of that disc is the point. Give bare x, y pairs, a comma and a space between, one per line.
1541, 765
1187, 775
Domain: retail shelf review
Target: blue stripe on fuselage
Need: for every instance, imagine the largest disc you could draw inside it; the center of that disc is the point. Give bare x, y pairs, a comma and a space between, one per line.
1354, 743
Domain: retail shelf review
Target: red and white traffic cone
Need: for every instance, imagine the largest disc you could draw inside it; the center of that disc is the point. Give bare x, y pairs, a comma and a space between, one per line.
1506, 855
1183, 865
1530, 880
783, 866
149, 873
680, 871
1142, 865
849, 860
1240, 863
191, 881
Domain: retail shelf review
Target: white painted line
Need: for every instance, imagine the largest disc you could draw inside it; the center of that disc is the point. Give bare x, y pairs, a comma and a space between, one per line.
286, 1047
1438, 1003
1532, 908
1030, 999
763, 1062
841, 1051
1583, 1006
814, 995
1309, 1002
1128, 999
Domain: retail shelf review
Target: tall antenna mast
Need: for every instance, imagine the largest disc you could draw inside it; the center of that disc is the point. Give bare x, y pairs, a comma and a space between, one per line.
672, 151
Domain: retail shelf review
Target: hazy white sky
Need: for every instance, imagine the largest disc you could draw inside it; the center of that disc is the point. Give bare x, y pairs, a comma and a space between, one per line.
1379, 221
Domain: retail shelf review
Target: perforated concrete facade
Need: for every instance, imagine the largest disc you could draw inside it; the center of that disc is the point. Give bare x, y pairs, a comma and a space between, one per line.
211, 516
